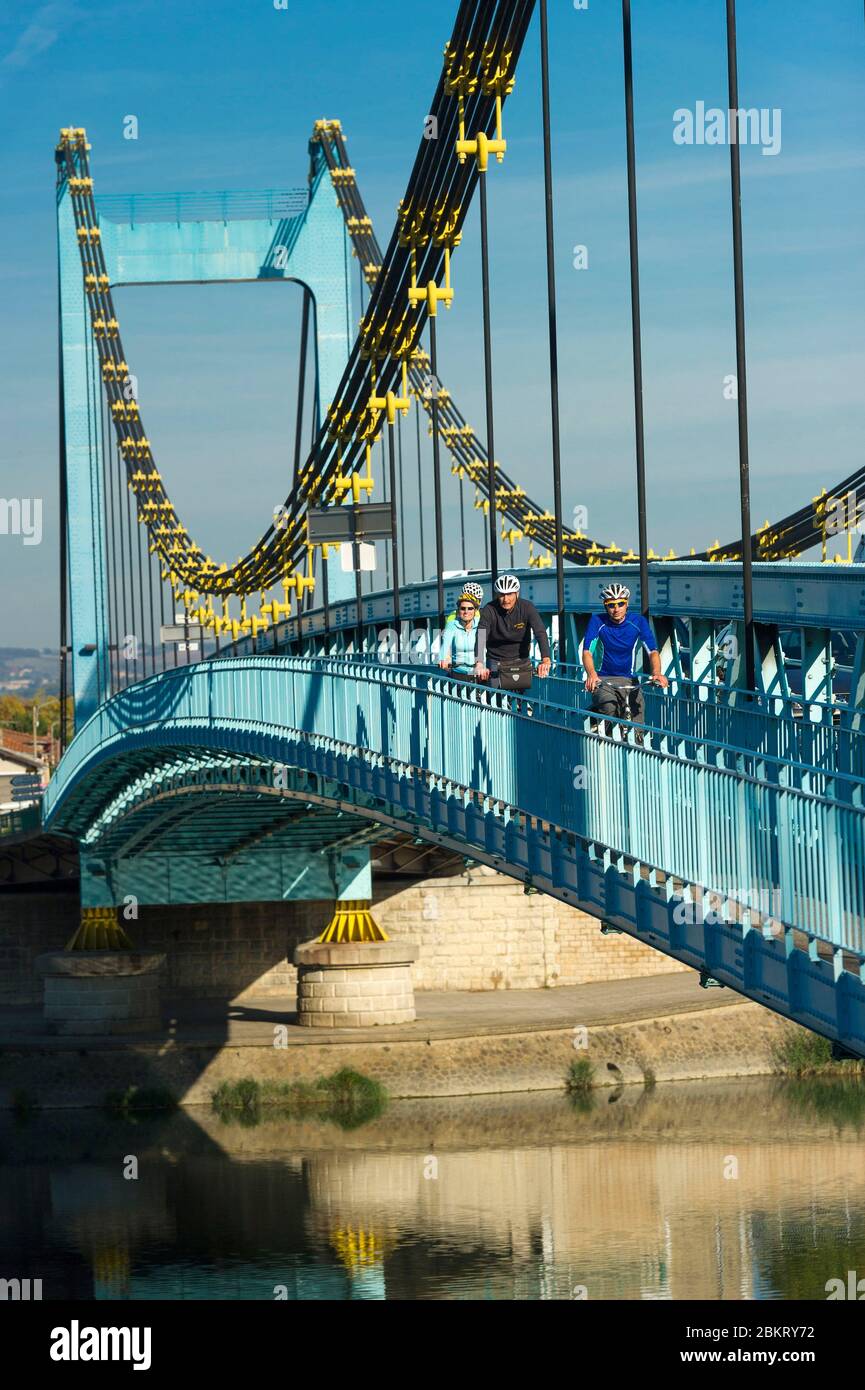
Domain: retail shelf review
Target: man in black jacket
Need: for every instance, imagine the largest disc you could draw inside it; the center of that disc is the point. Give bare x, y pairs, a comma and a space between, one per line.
505, 631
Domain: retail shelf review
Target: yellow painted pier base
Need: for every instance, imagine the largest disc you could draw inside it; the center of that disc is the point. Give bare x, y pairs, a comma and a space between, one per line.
353, 921
99, 930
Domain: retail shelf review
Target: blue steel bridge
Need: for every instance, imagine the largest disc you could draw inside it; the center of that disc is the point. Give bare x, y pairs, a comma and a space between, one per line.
292, 718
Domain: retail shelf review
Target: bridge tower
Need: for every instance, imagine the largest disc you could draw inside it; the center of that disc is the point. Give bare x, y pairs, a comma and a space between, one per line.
179, 238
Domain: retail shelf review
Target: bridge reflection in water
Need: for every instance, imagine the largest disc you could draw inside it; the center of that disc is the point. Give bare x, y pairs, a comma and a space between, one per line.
735, 1190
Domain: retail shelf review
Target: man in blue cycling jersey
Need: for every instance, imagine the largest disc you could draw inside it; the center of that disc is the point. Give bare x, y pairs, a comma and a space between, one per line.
610, 647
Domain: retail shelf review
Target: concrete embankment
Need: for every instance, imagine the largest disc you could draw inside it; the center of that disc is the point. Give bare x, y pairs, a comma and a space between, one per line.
631, 1031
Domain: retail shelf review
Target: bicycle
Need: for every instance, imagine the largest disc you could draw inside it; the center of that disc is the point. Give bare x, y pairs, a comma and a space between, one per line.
628, 705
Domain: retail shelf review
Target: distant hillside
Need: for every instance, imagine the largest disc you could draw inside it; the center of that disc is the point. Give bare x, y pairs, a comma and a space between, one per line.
26, 670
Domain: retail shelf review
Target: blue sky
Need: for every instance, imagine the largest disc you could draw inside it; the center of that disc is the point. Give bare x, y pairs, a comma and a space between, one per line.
226, 94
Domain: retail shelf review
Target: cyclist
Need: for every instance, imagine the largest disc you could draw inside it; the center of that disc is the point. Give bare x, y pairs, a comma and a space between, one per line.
505, 633
461, 631
610, 649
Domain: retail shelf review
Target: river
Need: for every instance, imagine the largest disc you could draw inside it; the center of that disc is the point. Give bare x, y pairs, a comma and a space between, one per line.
751, 1189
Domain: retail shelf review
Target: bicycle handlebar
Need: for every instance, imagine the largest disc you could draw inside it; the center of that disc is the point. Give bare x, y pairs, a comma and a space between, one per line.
634, 680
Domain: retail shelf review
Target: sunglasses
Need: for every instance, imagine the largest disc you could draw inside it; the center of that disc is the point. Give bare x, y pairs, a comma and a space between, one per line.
466, 608
615, 605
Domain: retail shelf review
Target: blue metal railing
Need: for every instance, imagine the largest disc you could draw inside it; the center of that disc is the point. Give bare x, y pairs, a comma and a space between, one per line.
270, 204
819, 735
731, 820
689, 711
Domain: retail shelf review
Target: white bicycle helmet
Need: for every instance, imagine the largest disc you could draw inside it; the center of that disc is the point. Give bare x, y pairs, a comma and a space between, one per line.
615, 593
507, 584
473, 591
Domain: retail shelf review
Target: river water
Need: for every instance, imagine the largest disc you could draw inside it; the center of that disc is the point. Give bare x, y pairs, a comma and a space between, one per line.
750, 1189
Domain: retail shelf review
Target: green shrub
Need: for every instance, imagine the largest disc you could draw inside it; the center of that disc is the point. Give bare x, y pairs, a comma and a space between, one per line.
352, 1099
580, 1074
799, 1052
345, 1098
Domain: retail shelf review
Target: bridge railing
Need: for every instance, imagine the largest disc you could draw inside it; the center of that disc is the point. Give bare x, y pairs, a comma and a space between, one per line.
819, 735
735, 822
739, 739
816, 735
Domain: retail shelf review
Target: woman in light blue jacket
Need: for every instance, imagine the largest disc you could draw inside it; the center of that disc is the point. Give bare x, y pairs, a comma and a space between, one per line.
460, 635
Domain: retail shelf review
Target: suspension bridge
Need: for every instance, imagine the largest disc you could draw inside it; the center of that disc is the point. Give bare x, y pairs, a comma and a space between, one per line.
246, 730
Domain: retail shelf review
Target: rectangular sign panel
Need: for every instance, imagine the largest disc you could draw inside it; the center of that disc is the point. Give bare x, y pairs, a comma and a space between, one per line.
370, 522
179, 633
360, 556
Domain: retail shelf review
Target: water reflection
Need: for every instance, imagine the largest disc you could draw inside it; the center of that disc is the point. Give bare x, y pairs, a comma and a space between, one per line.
751, 1189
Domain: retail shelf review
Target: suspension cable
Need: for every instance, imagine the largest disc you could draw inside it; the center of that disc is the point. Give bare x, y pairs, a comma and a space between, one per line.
636, 335
554, 351
741, 376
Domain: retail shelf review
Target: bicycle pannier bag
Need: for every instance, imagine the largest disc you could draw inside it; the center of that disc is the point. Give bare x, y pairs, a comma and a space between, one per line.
515, 675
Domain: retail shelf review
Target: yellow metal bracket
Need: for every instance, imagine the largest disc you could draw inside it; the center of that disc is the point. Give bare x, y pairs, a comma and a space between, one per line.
355, 483
431, 292
481, 147
353, 921
99, 930
390, 403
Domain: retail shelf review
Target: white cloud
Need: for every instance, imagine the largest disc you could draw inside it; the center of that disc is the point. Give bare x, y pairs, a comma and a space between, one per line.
40, 34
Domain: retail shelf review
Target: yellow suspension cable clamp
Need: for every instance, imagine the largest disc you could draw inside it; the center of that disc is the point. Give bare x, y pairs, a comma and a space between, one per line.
451, 434
539, 562
481, 147
412, 228
73, 136
372, 339
508, 494
389, 402
431, 292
